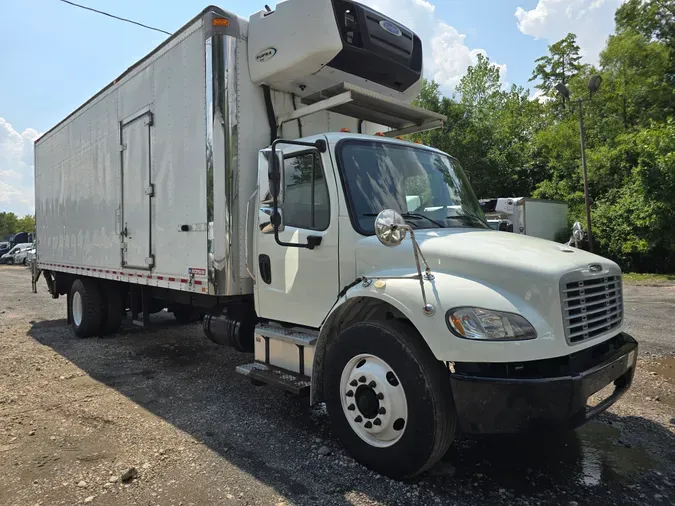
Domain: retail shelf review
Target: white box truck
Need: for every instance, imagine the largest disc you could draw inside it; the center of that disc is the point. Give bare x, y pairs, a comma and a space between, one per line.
250, 172
546, 219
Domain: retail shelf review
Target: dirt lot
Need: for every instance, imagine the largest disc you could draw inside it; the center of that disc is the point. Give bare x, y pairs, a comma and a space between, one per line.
161, 417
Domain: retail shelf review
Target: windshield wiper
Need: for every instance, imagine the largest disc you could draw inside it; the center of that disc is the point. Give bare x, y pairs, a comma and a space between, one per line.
466, 219
412, 215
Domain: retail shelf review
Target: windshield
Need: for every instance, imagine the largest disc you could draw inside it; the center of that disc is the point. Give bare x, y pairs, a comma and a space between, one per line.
428, 188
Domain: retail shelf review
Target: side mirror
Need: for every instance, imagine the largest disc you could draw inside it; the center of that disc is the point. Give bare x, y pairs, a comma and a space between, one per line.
577, 232
275, 174
390, 228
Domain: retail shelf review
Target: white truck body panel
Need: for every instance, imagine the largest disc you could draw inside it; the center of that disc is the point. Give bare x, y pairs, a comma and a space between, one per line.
88, 187
543, 218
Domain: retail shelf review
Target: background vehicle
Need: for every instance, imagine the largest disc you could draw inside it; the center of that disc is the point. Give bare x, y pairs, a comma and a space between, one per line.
255, 174
16, 255
546, 219
4, 248
30, 254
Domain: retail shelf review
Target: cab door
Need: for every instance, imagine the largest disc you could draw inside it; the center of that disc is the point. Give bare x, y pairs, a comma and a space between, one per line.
297, 284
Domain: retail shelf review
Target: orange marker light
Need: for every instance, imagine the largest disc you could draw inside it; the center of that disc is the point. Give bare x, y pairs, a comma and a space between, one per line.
345, 130
379, 134
220, 22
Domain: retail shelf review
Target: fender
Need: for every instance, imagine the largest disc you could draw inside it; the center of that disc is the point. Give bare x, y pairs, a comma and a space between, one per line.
444, 292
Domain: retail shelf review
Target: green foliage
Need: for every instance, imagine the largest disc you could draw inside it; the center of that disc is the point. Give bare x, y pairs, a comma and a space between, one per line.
11, 224
512, 146
559, 66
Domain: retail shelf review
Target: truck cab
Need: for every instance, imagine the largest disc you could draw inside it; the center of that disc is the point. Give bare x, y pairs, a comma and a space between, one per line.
375, 238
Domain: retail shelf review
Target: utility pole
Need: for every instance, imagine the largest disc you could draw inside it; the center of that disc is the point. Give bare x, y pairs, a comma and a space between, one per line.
585, 175
593, 86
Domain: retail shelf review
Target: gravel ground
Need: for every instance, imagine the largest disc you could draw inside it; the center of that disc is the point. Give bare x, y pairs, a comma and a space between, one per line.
161, 417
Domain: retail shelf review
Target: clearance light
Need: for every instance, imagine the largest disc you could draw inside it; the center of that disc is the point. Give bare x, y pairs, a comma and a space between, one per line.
418, 141
220, 22
400, 137
379, 134
345, 130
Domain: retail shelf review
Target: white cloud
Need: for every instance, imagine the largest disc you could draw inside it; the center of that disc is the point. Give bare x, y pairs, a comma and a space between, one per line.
591, 20
446, 55
16, 169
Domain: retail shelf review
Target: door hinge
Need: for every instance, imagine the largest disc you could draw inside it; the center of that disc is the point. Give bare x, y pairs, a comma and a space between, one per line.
150, 190
151, 119
122, 147
150, 261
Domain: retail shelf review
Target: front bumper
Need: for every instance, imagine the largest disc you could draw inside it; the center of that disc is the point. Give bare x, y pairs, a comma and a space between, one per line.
542, 394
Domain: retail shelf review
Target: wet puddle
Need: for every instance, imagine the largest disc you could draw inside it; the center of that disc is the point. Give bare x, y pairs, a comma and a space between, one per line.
593, 455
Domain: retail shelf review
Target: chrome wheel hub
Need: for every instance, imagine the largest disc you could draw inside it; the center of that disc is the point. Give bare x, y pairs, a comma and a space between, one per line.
373, 400
77, 308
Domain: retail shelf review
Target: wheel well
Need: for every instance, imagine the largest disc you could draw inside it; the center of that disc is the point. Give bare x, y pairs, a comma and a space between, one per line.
353, 311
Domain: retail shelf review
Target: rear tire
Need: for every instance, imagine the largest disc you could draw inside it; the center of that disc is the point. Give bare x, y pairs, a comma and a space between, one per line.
388, 398
85, 307
112, 309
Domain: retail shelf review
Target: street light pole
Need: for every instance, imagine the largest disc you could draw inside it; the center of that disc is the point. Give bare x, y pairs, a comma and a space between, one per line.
593, 86
585, 175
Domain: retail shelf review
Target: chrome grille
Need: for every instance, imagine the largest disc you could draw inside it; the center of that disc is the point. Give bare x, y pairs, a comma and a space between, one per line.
592, 305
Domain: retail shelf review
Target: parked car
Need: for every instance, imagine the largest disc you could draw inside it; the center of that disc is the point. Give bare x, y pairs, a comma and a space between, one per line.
30, 255
17, 255
4, 248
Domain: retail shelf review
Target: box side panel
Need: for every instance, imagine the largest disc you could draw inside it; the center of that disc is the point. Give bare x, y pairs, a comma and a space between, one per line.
77, 188
545, 219
179, 161
78, 171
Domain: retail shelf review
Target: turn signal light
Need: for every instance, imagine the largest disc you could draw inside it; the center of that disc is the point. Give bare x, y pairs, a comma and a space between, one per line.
220, 22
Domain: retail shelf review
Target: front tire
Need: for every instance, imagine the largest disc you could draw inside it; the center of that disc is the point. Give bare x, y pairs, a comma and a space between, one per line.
388, 398
85, 307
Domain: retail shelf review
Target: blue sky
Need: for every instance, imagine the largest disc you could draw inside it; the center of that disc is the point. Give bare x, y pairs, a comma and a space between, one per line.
54, 56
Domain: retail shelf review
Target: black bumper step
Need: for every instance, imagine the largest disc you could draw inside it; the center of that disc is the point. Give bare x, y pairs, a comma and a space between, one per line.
291, 382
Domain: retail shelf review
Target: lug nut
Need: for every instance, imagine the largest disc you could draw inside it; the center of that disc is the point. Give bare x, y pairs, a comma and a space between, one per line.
358, 419
372, 384
368, 425
350, 393
351, 407
353, 383
362, 379
382, 411
377, 421
380, 396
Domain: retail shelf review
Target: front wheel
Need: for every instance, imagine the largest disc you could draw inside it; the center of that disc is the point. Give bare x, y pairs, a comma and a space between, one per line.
388, 398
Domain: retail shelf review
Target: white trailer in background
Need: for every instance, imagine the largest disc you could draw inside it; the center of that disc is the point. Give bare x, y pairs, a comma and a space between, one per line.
248, 172
546, 219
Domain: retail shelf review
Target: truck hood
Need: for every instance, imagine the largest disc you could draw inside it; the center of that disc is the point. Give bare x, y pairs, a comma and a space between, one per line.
482, 254
494, 270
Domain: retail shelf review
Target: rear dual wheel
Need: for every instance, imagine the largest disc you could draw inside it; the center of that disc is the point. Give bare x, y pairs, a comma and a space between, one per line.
388, 398
95, 308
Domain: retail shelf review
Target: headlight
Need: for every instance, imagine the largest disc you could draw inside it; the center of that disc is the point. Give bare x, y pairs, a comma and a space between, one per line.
483, 324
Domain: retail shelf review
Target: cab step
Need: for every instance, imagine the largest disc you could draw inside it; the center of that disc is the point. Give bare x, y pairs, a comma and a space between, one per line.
290, 349
293, 383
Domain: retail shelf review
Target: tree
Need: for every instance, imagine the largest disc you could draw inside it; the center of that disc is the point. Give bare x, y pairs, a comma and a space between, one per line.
9, 224
26, 224
559, 66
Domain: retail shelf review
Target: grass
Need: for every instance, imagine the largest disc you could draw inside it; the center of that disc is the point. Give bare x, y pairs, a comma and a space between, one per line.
648, 279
